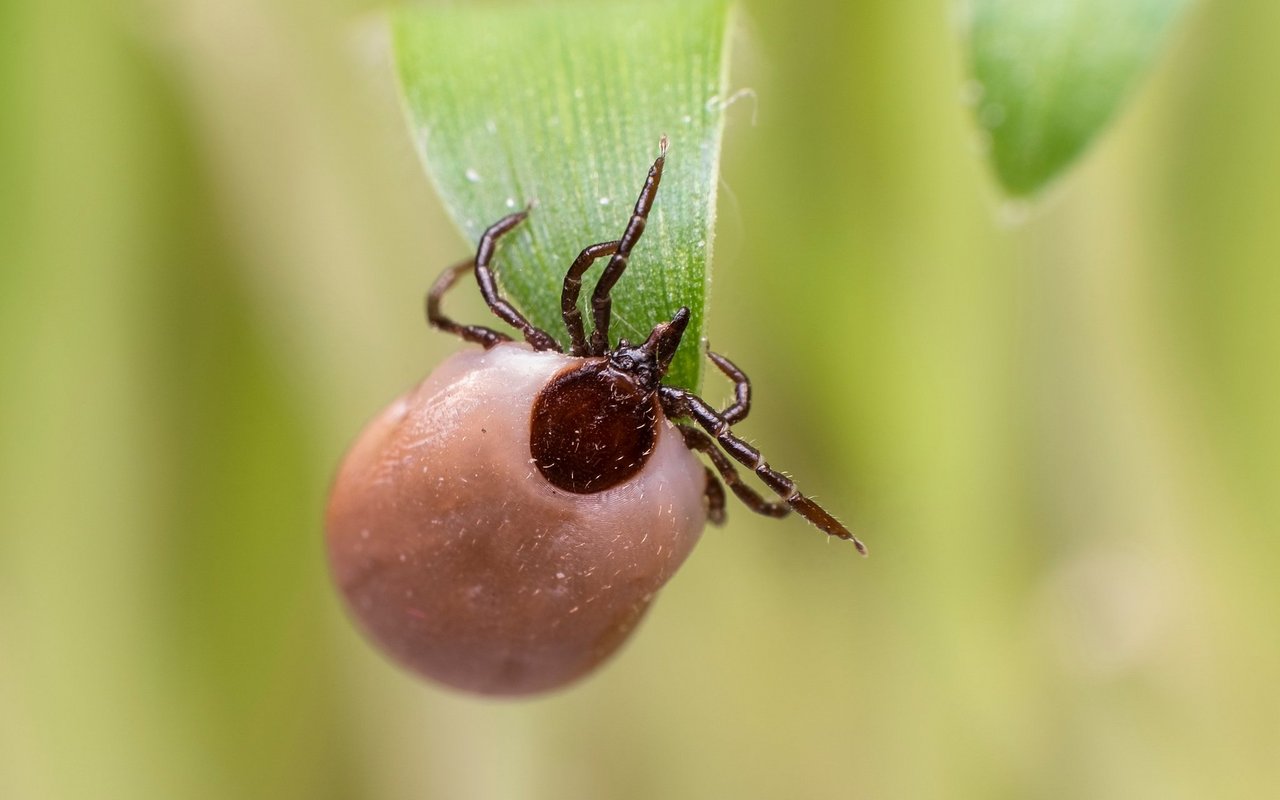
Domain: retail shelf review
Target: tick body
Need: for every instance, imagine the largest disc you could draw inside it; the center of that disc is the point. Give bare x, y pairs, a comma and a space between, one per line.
466, 565
502, 527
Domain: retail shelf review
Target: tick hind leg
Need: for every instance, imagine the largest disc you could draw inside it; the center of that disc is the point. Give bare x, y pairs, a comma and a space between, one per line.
479, 334
695, 439
679, 403
485, 276
715, 498
601, 304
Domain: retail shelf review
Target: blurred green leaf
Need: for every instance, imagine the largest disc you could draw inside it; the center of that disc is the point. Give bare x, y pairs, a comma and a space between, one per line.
564, 105
1051, 73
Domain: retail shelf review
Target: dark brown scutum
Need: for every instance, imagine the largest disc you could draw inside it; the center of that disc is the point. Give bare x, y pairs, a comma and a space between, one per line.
592, 428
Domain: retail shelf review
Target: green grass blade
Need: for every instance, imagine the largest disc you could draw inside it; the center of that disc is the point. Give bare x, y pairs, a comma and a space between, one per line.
563, 105
1052, 73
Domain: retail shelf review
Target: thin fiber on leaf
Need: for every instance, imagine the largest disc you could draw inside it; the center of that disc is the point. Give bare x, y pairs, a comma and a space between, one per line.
563, 106
1050, 75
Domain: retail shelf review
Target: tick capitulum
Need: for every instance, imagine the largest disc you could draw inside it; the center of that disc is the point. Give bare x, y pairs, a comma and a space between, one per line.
502, 527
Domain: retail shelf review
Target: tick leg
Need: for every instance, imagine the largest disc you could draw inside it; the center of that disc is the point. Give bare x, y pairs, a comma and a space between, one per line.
573, 287
601, 305
695, 439
471, 333
679, 403
741, 388
715, 499
540, 339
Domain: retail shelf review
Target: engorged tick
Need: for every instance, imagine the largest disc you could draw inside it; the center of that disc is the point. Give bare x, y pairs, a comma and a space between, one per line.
505, 525
594, 424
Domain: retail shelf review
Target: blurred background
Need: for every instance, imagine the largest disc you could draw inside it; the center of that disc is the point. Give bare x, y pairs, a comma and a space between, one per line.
1056, 426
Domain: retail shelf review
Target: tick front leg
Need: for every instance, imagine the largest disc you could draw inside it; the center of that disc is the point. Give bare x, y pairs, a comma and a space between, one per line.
601, 304
573, 288
471, 333
485, 276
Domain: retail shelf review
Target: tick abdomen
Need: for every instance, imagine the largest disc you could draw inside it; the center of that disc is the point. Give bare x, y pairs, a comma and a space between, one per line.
468, 565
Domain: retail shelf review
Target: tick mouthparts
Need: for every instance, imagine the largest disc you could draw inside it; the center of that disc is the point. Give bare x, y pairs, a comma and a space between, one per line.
665, 338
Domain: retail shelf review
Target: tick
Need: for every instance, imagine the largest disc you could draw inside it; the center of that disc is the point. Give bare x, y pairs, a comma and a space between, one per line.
503, 526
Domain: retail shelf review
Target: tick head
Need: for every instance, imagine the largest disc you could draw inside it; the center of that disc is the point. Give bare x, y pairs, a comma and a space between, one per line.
648, 362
